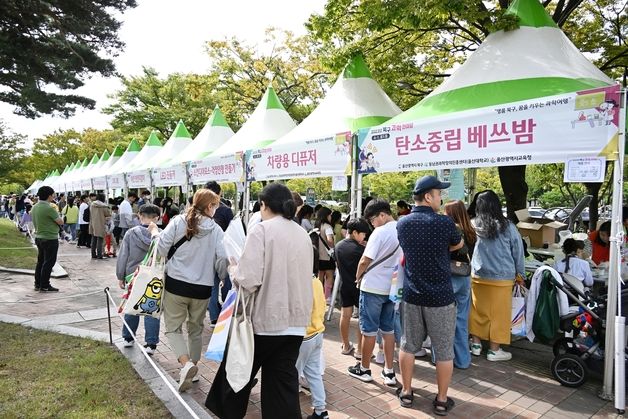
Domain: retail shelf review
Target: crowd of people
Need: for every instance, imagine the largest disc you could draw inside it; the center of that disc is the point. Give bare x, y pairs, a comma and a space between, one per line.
458, 266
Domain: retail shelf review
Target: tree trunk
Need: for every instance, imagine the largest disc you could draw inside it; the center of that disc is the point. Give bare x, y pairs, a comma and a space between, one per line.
513, 180
593, 189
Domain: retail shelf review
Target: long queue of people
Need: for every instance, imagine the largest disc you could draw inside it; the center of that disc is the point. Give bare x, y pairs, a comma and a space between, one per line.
458, 270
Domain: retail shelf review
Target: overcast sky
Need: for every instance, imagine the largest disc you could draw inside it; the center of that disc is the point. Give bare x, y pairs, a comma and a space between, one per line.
170, 37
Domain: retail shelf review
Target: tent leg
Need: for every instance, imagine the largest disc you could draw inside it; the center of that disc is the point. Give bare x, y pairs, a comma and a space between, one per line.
616, 239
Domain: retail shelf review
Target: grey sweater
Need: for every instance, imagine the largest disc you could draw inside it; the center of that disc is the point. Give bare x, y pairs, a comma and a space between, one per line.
132, 250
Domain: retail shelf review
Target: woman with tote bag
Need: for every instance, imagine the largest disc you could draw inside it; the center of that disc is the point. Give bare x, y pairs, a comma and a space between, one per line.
275, 273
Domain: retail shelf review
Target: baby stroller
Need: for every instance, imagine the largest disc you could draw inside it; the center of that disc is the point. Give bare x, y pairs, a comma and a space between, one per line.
581, 350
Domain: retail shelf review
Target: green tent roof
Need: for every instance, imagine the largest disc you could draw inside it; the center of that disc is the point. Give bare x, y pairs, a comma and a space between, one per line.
134, 145
217, 119
531, 13
153, 140
181, 131
272, 100
105, 156
117, 152
356, 68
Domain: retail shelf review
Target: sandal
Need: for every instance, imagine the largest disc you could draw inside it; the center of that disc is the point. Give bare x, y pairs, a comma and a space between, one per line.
348, 350
405, 400
442, 408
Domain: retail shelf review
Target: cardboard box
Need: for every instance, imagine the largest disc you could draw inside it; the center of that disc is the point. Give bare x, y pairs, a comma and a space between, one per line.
539, 230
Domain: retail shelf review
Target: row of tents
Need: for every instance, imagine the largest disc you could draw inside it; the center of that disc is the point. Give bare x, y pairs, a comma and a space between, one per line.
524, 96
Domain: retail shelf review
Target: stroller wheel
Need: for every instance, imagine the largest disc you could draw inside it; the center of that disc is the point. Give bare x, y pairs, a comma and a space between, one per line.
569, 370
564, 346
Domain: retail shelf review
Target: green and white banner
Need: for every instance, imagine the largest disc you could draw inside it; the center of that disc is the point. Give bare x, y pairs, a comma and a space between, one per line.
225, 168
542, 130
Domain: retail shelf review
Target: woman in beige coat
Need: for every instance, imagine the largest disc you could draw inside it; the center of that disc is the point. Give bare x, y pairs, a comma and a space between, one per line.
99, 213
276, 266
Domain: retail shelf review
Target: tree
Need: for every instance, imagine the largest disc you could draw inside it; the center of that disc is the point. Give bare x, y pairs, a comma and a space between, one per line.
411, 46
150, 103
12, 154
286, 62
55, 43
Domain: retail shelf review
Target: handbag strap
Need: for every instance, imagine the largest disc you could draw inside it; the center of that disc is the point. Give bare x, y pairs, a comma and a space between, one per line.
178, 244
382, 260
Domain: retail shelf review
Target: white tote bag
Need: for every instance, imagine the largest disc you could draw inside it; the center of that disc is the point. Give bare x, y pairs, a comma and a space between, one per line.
518, 319
241, 346
146, 286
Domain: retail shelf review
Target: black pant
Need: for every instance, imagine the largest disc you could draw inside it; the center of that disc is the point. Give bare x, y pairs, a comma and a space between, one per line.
277, 357
97, 246
46, 259
84, 237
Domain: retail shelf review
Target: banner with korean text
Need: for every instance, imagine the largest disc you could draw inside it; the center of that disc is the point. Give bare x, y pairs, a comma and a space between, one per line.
226, 168
115, 181
171, 176
99, 183
329, 156
543, 130
139, 179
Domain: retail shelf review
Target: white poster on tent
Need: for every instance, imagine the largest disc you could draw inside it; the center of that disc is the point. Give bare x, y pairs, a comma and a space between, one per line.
542, 130
590, 170
329, 156
226, 168
115, 181
100, 183
139, 179
86, 184
171, 176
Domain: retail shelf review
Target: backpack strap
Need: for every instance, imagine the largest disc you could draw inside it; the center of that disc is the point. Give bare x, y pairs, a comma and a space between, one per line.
174, 247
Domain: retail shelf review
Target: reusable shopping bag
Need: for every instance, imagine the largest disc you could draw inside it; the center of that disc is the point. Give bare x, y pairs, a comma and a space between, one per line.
145, 290
241, 346
518, 319
234, 239
546, 314
220, 335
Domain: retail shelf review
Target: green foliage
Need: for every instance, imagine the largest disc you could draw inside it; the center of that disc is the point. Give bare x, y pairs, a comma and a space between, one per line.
12, 155
55, 43
150, 103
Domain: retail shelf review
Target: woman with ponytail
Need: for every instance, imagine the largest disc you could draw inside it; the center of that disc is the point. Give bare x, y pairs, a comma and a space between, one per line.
276, 267
573, 263
192, 242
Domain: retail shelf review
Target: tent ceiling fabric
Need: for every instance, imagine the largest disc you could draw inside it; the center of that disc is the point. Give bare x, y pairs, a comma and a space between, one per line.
355, 101
267, 123
214, 134
535, 60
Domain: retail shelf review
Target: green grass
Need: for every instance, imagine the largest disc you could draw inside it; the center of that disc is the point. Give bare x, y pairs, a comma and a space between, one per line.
48, 375
11, 238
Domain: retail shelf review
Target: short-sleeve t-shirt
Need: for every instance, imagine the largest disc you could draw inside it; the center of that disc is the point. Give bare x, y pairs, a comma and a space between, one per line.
382, 242
325, 232
348, 253
425, 237
44, 216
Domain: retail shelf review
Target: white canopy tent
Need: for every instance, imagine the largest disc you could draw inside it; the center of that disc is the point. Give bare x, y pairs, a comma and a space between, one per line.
136, 176
99, 176
115, 176
162, 174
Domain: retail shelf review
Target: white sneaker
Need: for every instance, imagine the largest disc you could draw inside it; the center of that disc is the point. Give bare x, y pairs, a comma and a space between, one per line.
188, 371
379, 359
389, 378
476, 349
421, 353
150, 349
128, 343
196, 378
498, 355
427, 343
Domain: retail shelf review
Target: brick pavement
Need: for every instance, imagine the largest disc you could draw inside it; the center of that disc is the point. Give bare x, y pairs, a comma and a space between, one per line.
521, 388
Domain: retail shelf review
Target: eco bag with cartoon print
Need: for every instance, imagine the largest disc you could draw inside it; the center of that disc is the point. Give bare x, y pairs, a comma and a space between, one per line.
145, 288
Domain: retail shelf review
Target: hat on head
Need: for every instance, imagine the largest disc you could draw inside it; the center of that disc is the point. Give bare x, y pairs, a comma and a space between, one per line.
429, 182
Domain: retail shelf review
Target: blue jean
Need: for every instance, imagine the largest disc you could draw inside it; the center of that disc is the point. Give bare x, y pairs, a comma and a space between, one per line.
397, 330
309, 365
151, 328
462, 292
214, 307
71, 229
377, 313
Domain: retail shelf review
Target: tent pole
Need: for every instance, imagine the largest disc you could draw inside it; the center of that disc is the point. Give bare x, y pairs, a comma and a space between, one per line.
354, 177
614, 296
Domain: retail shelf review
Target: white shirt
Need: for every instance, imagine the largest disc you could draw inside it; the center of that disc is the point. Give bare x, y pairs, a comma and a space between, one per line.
381, 243
82, 209
126, 214
578, 268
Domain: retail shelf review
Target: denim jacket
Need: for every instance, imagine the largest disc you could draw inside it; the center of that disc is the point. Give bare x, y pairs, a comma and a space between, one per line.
500, 258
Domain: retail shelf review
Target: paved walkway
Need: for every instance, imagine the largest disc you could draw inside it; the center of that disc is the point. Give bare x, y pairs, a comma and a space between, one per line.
522, 387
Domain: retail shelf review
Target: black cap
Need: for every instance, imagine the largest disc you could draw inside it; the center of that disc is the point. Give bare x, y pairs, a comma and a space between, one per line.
429, 182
